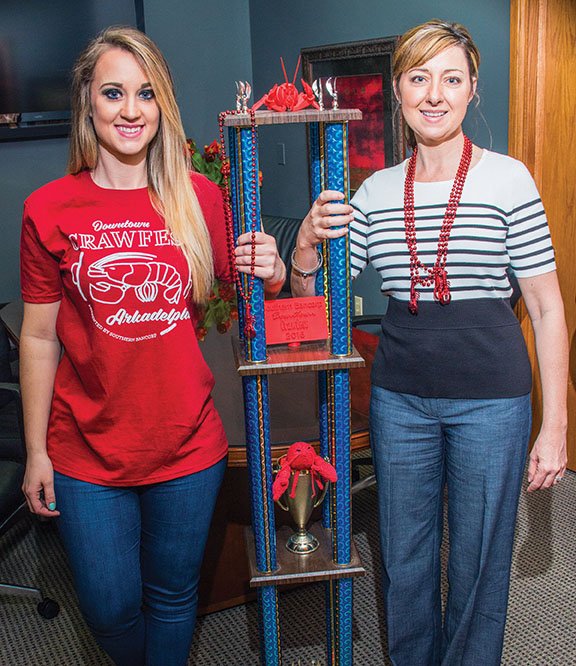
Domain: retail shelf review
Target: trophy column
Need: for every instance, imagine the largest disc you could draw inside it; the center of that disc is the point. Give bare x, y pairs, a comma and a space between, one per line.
243, 150
329, 170
336, 562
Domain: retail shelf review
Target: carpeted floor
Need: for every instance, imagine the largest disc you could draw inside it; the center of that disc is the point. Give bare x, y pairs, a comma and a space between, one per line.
541, 627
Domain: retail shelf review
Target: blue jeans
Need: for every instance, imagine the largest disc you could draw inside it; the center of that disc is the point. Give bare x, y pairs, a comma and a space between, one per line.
477, 448
135, 554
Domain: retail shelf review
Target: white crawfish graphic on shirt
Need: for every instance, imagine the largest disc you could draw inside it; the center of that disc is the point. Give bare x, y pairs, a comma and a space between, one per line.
139, 275
118, 273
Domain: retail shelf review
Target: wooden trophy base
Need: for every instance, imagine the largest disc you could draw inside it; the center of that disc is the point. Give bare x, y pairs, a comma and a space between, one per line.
293, 568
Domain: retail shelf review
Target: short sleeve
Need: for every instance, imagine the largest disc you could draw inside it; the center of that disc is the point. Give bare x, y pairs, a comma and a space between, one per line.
359, 231
528, 240
39, 270
212, 204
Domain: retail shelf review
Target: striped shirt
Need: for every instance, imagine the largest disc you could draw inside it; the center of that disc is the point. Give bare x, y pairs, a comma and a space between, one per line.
500, 224
473, 347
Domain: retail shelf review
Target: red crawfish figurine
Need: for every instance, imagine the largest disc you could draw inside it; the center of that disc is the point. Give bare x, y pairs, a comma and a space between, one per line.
302, 456
285, 97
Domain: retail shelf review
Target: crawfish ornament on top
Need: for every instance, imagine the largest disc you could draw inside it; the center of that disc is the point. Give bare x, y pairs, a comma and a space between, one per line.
285, 97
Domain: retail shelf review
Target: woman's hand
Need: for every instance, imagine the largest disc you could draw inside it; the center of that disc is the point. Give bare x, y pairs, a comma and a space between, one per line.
38, 485
39, 355
326, 219
544, 304
268, 264
547, 459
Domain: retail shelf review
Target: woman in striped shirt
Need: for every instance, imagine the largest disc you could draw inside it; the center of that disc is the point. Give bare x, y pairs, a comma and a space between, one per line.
451, 380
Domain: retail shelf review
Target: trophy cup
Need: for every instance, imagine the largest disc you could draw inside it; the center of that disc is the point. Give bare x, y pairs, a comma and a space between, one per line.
299, 487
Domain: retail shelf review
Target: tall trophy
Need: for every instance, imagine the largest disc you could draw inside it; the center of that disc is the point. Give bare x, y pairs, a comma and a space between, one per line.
299, 487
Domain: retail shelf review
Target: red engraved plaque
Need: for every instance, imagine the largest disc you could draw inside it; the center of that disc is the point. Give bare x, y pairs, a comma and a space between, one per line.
294, 320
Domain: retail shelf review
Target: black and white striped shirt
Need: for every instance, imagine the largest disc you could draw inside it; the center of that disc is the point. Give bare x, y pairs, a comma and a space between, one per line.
473, 347
500, 224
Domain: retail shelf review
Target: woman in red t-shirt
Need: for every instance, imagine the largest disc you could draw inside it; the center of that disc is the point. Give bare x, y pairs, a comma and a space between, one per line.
124, 443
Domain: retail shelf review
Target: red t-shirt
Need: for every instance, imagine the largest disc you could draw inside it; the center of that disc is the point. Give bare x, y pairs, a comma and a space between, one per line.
132, 401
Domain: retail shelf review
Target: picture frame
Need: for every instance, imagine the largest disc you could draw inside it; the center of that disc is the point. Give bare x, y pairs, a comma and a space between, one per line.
363, 72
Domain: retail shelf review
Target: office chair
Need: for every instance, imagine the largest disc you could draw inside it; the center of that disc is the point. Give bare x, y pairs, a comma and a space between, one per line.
366, 342
12, 503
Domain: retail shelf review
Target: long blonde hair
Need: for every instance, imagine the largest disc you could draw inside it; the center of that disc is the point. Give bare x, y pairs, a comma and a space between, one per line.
168, 162
423, 42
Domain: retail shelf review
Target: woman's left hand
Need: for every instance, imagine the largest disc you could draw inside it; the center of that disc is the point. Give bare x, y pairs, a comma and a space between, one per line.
547, 460
543, 301
268, 264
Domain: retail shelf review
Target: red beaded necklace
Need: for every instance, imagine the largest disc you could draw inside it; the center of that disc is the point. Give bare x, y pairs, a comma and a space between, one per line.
437, 274
246, 296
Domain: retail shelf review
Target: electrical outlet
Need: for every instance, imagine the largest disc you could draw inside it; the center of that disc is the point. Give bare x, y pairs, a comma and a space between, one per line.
358, 306
281, 153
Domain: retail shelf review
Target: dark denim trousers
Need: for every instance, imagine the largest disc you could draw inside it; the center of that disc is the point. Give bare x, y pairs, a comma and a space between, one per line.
477, 449
135, 555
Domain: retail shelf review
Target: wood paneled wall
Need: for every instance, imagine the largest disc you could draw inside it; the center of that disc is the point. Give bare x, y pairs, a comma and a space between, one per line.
543, 135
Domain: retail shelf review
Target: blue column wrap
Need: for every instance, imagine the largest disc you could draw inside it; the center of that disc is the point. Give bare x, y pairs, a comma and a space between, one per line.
340, 603
318, 183
341, 521
270, 649
339, 592
234, 177
316, 164
258, 456
254, 348
339, 248
233, 140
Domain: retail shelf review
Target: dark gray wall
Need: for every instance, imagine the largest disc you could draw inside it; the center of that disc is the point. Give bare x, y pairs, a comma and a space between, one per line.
207, 45
24, 166
282, 29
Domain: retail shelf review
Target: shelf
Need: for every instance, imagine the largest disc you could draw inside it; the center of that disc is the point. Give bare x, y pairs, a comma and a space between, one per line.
308, 357
283, 117
293, 568
48, 131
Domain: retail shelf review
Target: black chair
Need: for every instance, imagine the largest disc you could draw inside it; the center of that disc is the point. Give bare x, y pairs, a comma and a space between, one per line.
366, 342
12, 503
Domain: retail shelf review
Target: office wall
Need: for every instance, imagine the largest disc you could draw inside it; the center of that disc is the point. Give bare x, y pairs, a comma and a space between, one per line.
282, 29
208, 47
24, 166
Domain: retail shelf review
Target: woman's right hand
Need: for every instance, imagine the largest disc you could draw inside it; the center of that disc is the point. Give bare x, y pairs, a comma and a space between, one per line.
38, 485
328, 218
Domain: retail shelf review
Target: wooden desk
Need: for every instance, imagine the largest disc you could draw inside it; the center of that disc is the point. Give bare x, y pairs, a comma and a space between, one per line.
294, 417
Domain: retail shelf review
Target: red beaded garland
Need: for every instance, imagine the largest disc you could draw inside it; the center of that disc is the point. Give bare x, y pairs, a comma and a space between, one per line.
246, 297
437, 274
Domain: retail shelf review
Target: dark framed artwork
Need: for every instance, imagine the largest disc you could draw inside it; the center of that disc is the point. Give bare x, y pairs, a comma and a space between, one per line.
364, 81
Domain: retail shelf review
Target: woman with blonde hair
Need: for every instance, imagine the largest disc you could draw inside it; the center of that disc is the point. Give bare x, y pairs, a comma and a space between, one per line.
124, 444
450, 405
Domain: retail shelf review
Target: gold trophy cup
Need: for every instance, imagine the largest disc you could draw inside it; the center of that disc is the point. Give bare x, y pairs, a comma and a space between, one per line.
307, 497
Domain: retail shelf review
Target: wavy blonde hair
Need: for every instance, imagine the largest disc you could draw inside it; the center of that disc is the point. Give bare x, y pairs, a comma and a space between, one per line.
423, 42
168, 163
